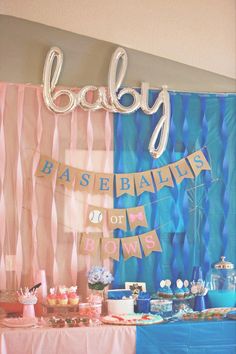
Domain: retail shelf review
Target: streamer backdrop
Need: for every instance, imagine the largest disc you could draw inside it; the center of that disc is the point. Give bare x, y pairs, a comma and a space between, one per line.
197, 218
40, 226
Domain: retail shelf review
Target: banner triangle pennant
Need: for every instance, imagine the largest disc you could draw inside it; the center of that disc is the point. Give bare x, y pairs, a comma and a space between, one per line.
110, 248
125, 184
65, 175
89, 243
143, 182
181, 170
198, 162
103, 183
96, 216
116, 219
150, 242
137, 217
131, 247
47, 167
162, 177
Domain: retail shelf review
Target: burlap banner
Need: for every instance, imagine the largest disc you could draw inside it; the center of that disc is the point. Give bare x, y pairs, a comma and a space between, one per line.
109, 247
150, 242
131, 247
198, 162
116, 218
132, 183
137, 217
96, 216
89, 243
125, 184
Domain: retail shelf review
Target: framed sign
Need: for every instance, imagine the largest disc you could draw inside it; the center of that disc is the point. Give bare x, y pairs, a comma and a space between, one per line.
135, 287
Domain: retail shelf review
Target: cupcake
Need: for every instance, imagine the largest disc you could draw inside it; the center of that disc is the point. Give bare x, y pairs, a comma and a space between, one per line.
52, 297
62, 298
62, 289
186, 289
165, 289
161, 288
178, 291
72, 296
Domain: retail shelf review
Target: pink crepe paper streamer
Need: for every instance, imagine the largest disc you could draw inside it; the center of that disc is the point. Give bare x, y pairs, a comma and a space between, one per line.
36, 157
107, 168
19, 182
3, 88
55, 155
73, 140
89, 167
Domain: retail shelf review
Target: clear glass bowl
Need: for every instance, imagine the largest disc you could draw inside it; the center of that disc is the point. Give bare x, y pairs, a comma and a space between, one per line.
221, 282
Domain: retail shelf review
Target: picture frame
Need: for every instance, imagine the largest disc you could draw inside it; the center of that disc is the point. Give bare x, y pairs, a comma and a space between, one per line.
135, 287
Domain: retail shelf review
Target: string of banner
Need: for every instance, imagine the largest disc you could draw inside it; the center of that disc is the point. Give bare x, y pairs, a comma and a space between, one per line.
110, 247
133, 183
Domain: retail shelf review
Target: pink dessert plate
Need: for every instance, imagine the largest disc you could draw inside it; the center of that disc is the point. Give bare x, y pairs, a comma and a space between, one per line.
19, 322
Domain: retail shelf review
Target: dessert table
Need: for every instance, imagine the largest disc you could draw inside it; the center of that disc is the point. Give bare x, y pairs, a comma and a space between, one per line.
210, 337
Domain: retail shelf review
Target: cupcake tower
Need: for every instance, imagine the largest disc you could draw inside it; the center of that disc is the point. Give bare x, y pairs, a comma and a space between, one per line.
64, 296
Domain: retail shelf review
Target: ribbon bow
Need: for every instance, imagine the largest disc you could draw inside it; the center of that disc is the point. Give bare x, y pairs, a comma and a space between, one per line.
138, 216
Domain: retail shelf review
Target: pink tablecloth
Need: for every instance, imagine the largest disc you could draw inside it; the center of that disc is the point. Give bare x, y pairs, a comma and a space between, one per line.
84, 340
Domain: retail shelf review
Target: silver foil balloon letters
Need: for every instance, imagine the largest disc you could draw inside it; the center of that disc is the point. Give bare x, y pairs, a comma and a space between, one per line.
107, 98
50, 80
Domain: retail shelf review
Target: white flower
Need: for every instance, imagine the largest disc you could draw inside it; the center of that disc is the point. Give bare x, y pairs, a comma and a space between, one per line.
99, 275
106, 277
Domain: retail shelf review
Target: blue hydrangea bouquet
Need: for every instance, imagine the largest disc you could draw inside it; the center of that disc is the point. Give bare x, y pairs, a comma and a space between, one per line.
99, 278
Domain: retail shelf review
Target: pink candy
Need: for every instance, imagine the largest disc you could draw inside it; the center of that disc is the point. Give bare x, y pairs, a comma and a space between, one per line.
90, 310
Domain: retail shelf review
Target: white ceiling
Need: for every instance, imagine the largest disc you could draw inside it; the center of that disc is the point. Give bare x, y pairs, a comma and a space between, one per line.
193, 32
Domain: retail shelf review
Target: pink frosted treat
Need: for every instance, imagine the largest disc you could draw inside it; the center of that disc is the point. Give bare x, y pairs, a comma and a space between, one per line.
62, 297
52, 297
72, 296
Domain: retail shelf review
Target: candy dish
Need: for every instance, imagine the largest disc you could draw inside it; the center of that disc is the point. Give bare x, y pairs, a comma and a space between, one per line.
57, 322
90, 310
60, 322
72, 322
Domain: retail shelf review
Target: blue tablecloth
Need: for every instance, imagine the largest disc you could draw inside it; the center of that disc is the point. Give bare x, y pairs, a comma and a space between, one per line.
214, 337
